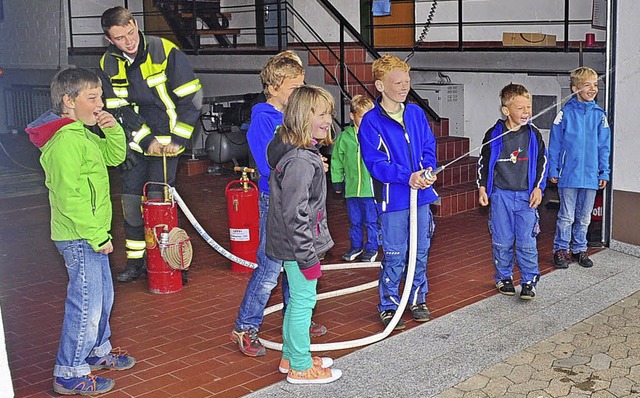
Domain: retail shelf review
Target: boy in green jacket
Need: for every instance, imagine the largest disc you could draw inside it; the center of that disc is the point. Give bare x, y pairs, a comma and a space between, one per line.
349, 174
75, 162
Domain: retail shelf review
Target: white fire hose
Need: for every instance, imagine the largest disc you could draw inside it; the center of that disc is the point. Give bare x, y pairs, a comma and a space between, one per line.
411, 266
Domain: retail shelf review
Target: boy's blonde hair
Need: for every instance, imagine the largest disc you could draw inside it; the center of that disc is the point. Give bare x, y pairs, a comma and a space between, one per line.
512, 90
289, 54
385, 64
581, 74
303, 103
360, 102
278, 68
71, 82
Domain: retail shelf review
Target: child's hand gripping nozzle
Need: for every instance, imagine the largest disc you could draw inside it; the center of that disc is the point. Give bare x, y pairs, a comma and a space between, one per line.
430, 174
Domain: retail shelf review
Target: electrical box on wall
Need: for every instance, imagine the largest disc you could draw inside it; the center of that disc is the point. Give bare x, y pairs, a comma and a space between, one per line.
447, 100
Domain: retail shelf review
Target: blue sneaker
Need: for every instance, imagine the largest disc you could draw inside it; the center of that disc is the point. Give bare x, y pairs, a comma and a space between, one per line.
84, 385
351, 254
116, 360
369, 256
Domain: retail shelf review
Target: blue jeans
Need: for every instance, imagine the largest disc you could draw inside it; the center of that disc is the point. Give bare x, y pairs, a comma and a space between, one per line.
395, 243
296, 341
85, 328
263, 279
574, 216
363, 215
513, 222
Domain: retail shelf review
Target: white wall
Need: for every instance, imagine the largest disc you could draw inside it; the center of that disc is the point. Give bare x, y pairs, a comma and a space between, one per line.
481, 97
626, 145
87, 31
33, 36
511, 10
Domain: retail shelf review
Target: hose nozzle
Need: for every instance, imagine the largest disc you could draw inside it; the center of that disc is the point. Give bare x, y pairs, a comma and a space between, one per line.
430, 174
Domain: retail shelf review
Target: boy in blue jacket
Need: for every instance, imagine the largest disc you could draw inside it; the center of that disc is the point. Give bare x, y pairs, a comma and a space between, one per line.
397, 147
512, 172
282, 74
579, 147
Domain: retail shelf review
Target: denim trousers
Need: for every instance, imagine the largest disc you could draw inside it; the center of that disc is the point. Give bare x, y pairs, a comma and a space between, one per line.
395, 243
263, 279
513, 222
574, 217
296, 342
85, 328
363, 215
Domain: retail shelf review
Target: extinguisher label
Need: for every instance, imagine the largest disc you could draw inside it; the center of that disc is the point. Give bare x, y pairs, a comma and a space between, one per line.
239, 235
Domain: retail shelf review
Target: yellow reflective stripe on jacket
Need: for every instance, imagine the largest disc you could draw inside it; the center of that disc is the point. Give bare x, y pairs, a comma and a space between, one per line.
188, 88
169, 105
121, 92
183, 130
135, 244
140, 134
134, 254
113, 103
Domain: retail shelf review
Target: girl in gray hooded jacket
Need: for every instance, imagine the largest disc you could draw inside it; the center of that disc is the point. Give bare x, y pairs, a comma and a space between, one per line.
297, 232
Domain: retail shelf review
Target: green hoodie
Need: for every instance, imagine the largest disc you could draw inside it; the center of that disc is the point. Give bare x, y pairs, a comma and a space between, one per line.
75, 162
348, 172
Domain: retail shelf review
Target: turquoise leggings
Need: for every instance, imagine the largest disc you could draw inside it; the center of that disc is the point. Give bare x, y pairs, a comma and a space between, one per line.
297, 318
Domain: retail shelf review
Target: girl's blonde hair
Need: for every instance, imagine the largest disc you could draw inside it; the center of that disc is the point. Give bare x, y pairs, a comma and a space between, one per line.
303, 103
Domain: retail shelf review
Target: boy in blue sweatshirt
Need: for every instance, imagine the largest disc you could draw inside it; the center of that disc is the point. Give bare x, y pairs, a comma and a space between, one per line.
397, 147
579, 147
511, 171
282, 74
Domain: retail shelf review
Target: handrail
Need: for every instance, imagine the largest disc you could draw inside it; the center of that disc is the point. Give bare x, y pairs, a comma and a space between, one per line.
344, 24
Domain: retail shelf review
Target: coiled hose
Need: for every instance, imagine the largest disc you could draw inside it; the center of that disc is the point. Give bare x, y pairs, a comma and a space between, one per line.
411, 267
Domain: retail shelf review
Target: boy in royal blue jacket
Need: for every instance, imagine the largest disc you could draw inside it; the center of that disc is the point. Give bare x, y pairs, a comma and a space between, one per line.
512, 172
282, 74
579, 147
397, 147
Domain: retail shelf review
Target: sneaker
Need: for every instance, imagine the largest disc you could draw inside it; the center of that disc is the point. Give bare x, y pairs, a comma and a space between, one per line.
316, 330
83, 385
505, 287
420, 312
369, 256
248, 342
583, 259
117, 359
324, 362
385, 317
528, 291
561, 259
351, 254
313, 375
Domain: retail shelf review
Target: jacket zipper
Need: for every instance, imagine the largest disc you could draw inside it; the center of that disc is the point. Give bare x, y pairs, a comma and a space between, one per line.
93, 196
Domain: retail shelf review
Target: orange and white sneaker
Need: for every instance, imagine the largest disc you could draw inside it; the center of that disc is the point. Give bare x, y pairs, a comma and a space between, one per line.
313, 375
324, 362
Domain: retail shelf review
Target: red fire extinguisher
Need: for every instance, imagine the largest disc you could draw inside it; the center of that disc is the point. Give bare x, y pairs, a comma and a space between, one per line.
244, 218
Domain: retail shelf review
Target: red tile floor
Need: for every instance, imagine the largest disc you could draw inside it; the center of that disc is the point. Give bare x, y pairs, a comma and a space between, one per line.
181, 340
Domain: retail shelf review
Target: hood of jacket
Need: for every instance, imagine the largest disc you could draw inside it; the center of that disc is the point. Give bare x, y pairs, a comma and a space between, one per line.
277, 149
44, 127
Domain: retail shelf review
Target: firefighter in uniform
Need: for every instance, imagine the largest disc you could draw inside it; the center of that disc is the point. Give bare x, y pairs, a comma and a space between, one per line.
150, 87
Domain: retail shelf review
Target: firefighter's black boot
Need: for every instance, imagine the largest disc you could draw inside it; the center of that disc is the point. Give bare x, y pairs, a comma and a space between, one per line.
134, 269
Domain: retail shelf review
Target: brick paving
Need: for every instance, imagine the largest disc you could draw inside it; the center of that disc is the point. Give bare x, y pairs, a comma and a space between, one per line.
598, 357
181, 340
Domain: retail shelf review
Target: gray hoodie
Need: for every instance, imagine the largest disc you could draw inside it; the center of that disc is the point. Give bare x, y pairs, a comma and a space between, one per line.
297, 221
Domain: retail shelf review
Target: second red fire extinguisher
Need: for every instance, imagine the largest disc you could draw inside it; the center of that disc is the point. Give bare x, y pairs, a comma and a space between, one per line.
244, 218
